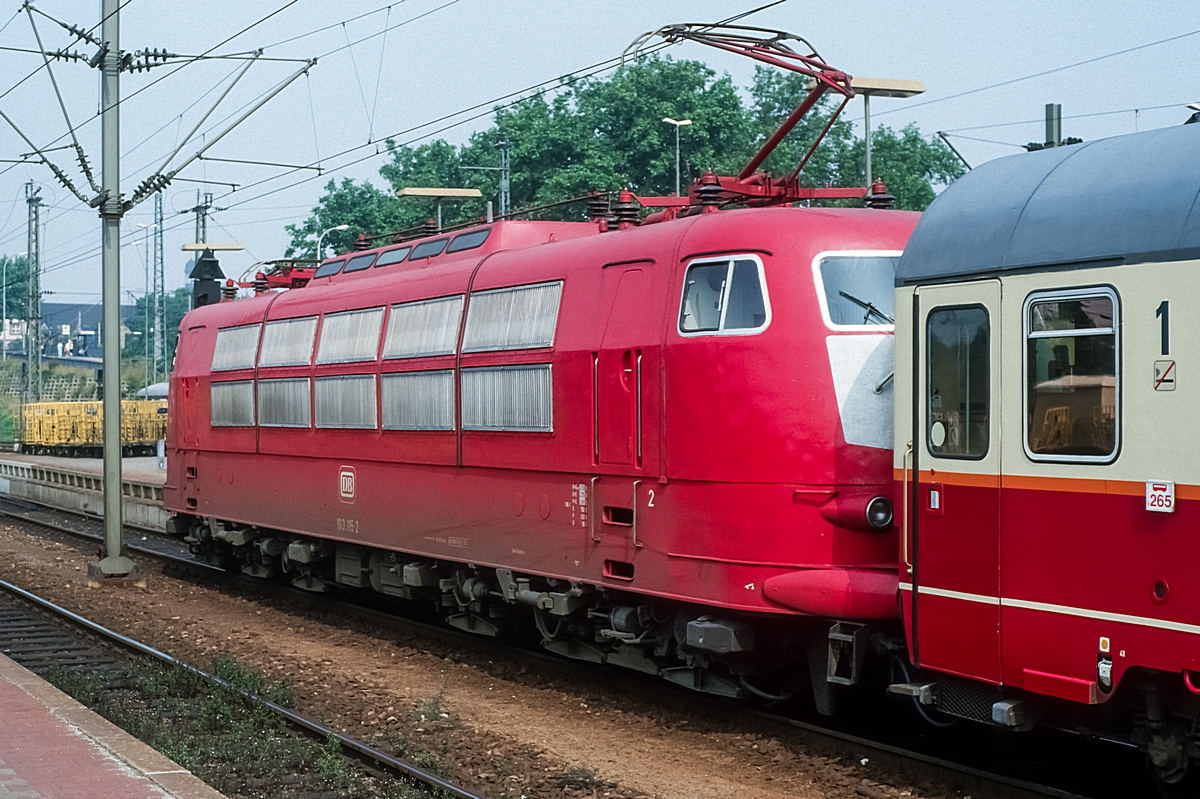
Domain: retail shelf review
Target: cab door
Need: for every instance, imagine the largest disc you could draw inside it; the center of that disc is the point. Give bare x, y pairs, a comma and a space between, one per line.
955, 541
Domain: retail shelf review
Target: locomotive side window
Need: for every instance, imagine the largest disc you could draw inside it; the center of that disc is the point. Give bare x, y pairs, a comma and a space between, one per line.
288, 342
429, 327
957, 343
856, 289
428, 249
329, 268
284, 403
351, 336
358, 263
1071, 399
235, 348
468, 241
521, 317
725, 296
508, 398
392, 257
346, 401
233, 404
418, 400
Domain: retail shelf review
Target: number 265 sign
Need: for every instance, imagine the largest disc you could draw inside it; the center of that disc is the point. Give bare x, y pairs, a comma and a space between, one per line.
1160, 496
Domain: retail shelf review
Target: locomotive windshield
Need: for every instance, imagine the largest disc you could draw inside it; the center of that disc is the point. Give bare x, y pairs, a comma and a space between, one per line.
859, 288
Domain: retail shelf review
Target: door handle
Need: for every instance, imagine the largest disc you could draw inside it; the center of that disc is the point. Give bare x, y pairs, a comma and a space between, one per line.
908, 451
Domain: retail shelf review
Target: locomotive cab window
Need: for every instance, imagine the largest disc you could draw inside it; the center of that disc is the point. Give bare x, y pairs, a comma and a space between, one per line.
724, 296
1071, 390
958, 382
857, 289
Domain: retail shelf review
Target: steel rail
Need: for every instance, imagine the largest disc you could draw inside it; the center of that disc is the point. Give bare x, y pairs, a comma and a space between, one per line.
968, 779
363, 750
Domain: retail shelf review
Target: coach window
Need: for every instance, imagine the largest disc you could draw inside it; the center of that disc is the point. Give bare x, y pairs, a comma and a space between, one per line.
1071, 398
958, 399
725, 296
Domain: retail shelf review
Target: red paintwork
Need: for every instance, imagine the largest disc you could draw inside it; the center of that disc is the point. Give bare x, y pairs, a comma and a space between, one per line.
741, 436
1054, 544
837, 593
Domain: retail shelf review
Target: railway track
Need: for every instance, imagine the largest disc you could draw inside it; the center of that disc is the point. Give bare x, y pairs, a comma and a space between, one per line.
52, 641
971, 760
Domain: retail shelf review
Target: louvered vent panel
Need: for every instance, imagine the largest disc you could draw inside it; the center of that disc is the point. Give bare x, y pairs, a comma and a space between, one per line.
423, 328
418, 401
284, 403
233, 404
522, 317
235, 348
507, 398
352, 336
346, 401
288, 342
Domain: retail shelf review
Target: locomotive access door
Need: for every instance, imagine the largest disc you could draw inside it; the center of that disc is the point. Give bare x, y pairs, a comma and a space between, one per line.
619, 371
955, 535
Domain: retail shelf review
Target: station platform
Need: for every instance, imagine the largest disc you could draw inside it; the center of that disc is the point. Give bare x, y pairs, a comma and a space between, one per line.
140, 470
52, 747
77, 485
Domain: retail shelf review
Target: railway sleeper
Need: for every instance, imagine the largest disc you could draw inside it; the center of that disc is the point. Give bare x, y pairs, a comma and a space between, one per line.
699, 648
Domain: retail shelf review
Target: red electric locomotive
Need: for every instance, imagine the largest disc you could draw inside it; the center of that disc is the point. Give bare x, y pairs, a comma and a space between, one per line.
667, 444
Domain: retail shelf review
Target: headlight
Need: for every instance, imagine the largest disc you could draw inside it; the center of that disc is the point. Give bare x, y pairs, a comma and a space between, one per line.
879, 512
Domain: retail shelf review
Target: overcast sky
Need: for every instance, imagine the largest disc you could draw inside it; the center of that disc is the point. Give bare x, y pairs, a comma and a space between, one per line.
442, 56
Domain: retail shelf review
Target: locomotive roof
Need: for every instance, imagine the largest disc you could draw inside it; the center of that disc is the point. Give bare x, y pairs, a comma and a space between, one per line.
1126, 199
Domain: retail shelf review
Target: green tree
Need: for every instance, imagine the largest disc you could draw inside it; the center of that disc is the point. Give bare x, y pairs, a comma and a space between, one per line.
908, 163
16, 272
605, 134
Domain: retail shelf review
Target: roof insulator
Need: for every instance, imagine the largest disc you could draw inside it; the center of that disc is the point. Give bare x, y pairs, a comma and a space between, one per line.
878, 196
597, 205
708, 189
362, 242
626, 210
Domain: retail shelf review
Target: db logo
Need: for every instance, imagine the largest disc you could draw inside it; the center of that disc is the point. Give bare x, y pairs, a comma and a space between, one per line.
346, 484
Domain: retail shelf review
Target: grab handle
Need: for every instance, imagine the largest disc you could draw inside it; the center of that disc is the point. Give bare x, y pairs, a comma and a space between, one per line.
908, 451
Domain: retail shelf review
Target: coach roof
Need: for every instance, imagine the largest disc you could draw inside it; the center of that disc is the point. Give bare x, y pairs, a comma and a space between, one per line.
1127, 199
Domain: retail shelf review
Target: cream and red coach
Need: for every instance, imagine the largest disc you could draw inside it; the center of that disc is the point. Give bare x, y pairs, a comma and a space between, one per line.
626, 431
1046, 440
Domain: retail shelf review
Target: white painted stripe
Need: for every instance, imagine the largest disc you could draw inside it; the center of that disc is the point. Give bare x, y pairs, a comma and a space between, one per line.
1061, 610
1101, 615
982, 599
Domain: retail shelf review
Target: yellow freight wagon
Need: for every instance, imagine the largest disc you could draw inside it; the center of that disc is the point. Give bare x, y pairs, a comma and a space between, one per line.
76, 428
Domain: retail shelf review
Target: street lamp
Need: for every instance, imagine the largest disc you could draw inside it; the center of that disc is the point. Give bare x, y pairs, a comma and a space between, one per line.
321, 238
881, 87
678, 123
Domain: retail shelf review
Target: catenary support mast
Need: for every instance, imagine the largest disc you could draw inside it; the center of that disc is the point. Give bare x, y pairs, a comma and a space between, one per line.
114, 564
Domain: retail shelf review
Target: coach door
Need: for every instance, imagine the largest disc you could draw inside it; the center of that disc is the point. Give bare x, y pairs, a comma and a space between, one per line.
954, 537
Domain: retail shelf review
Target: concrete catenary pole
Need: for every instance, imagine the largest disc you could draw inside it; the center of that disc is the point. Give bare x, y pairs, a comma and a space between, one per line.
160, 300
114, 564
33, 300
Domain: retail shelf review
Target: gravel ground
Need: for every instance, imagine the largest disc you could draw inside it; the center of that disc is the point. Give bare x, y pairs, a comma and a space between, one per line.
495, 726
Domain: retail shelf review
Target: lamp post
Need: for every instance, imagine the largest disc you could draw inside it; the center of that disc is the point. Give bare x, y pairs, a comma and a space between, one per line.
678, 123
321, 238
880, 87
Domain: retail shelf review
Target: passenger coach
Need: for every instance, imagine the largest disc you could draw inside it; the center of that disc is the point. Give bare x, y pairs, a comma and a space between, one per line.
1047, 378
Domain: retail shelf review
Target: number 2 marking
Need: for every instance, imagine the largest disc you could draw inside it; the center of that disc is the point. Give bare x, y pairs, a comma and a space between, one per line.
1164, 312
650, 504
